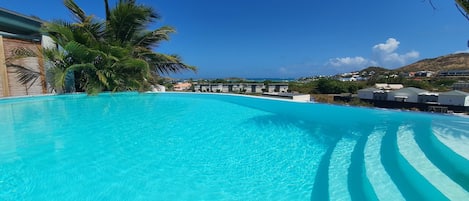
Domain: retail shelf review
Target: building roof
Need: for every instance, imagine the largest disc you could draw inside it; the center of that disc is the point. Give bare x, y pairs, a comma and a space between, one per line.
16, 25
411, 90
372, 89
455, 93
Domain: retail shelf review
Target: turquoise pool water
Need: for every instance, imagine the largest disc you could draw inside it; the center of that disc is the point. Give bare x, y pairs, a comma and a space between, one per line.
173, 146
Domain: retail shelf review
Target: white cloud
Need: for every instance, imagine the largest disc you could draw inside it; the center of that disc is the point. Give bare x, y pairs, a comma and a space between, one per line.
385, 54
347, 64
390, 46
348, 61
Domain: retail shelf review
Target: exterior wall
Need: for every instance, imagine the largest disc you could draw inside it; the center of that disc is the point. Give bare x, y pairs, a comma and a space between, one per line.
427, 98
420, 106
225, 89
283, 89
462, 86
277, 88
217, 88
254, 88
380, 96
36, 64
453, 100
48, 43
394, 96
303, 97
363, 94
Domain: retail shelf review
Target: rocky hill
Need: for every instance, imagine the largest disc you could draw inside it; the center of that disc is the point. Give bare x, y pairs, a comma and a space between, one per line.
447, 62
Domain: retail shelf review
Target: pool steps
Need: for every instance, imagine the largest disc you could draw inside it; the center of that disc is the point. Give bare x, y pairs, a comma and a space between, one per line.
359, 185
392, 164
415, 156
338, 166
401, 173
449, 162
321, 185
381, 182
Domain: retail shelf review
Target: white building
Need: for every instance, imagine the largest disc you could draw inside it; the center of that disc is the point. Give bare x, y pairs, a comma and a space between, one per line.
233, 87
254, 88
239, 87
455, 97
409, 94
277, 87
386, 86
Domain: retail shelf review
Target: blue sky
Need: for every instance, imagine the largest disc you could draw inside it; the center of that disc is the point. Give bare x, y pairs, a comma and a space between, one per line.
294, 38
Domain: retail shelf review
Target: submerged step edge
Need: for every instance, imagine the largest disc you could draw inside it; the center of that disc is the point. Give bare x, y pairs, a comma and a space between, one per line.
381, 182
338, 169
413, 154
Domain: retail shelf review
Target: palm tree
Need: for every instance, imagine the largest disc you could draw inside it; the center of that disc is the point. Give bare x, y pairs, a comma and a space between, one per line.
115, 54
125, 27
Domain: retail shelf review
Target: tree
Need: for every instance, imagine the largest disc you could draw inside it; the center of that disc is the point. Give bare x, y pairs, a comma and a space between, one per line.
331, 86
114, 54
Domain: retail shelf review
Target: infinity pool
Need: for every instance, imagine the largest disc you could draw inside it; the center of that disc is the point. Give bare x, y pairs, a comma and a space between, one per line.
187, 146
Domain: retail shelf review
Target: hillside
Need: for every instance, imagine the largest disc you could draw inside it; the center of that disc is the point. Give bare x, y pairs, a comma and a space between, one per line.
447, 62
378, 70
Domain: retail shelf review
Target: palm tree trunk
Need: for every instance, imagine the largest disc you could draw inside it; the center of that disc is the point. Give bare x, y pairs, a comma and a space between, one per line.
108, 12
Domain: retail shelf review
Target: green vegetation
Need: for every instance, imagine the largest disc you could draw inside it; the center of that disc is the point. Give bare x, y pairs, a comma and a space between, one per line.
326, 86
114, 54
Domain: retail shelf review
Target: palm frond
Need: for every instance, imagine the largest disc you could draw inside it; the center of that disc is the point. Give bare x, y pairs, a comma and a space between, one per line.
152, 39
25, 75
165, 64
60, 31
90, 34
463, 7
128, 19
80, 67
78, 51
76, 11
57, 78
103, 77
